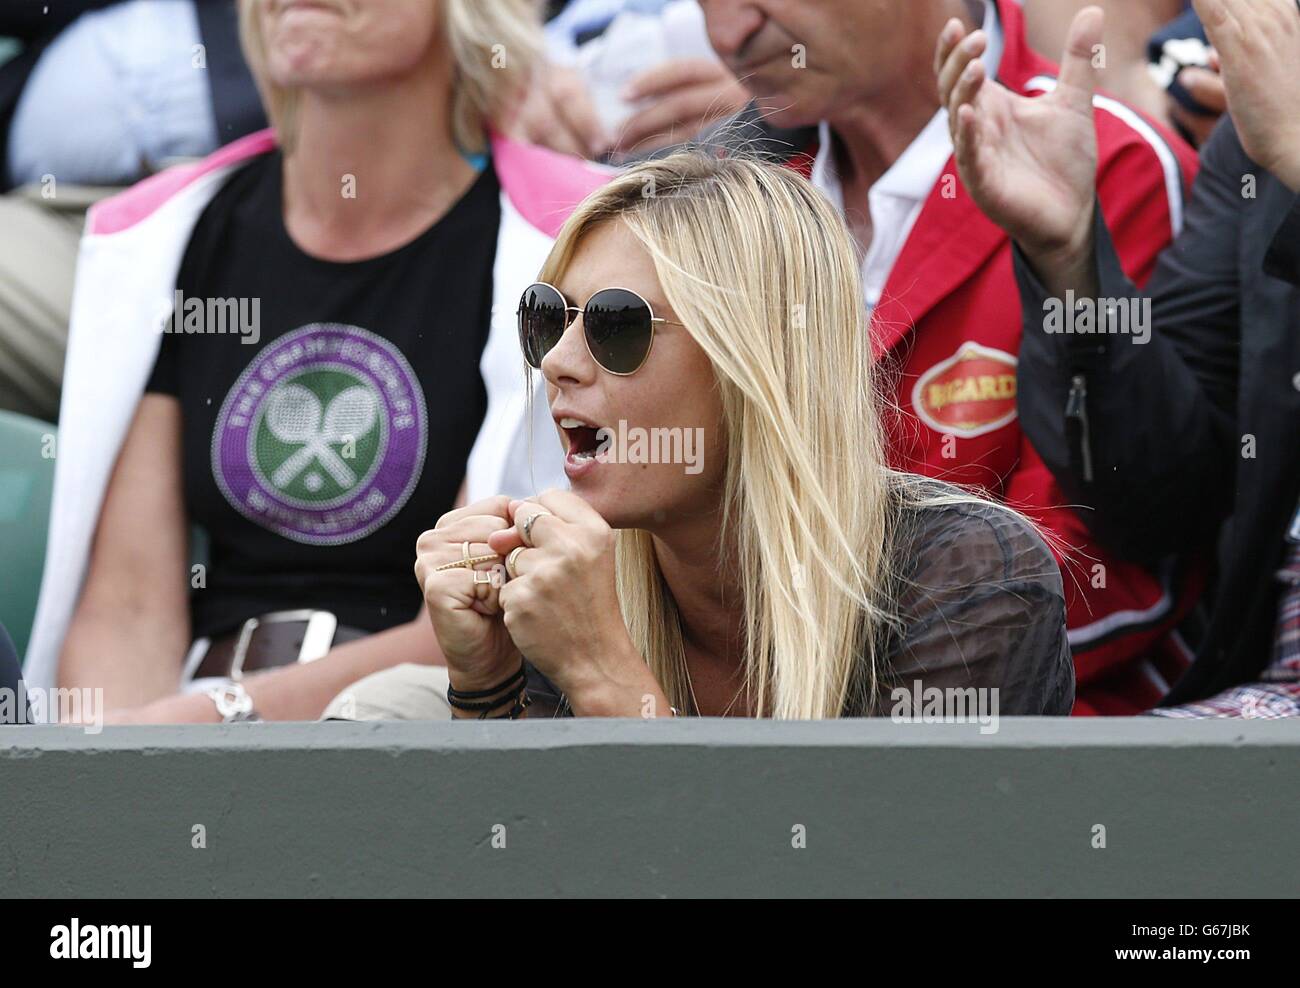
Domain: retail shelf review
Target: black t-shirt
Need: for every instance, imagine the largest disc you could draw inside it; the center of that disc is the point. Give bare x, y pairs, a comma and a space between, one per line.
331, 422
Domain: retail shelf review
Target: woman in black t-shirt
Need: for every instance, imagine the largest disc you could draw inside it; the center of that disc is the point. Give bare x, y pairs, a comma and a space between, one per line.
326, 370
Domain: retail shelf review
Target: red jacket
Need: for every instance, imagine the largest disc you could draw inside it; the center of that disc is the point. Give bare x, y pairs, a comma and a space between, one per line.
948, 327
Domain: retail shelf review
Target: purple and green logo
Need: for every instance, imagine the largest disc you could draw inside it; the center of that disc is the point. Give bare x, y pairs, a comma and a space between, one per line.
323, 436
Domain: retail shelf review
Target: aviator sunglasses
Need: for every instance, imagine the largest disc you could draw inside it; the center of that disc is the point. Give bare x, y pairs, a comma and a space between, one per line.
617, 324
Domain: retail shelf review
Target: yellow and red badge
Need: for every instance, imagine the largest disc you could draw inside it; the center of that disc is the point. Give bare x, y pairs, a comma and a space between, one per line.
970, 393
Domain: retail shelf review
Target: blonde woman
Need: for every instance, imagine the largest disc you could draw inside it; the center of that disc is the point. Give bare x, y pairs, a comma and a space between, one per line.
781, 569
338, 357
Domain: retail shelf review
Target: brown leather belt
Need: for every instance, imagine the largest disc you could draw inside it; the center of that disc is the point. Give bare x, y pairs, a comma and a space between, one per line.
280, 638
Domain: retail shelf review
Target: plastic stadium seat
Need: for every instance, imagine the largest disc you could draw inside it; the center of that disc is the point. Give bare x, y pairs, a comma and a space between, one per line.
26, 481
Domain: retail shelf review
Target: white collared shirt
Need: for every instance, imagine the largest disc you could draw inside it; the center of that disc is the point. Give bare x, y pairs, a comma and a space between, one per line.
898, 195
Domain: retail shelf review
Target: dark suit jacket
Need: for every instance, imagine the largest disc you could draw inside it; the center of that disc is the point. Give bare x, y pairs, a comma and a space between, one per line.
36, 23
10, 671
1202, 422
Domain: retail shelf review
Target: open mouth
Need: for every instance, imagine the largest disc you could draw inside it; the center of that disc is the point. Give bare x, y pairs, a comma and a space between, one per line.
584, 438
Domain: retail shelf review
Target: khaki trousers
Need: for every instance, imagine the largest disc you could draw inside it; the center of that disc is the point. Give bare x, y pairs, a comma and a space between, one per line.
407, 692
38, 258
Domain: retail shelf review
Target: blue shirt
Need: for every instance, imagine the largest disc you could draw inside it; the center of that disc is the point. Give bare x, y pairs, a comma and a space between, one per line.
115, 95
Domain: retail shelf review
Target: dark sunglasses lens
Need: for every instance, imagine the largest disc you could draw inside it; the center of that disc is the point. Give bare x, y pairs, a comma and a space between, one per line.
541, 322
618, 328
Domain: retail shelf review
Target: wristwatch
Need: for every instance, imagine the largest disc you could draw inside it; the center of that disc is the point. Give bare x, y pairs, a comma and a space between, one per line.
233, 703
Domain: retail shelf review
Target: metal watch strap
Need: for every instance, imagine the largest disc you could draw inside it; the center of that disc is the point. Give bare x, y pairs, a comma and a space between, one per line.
233, 703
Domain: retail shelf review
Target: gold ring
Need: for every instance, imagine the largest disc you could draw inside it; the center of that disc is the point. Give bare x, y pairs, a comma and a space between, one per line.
527, 532
464, 553
512, 561
486, 577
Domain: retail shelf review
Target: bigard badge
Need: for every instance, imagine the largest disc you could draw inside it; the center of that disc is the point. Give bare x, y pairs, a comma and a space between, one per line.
970, 393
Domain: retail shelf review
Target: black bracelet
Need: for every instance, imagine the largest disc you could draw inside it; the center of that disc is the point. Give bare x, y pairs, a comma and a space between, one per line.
485, 705
455, 694
522, 701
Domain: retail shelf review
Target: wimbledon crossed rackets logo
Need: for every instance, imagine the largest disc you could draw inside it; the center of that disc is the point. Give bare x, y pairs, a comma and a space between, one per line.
325, 433
322, 437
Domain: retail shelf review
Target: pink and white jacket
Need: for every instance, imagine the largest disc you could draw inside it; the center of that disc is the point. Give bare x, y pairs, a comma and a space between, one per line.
126, 275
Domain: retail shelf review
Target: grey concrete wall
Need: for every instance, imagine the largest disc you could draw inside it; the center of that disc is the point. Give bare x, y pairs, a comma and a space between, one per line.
679, 808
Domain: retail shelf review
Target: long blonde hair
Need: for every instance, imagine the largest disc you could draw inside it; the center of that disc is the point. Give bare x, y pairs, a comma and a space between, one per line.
495, 47
764, 275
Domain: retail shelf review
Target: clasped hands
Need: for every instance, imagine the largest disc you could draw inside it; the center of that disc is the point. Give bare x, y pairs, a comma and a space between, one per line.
557, 602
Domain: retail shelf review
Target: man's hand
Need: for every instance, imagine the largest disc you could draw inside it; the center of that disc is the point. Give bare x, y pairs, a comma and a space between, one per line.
1029, 164
1258, 42
1206, 87
682, 96
558, 113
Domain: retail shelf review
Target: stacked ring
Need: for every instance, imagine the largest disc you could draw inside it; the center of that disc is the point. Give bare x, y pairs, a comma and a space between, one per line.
512, 561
